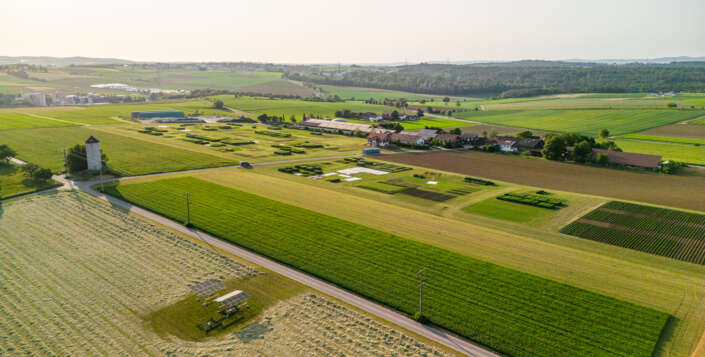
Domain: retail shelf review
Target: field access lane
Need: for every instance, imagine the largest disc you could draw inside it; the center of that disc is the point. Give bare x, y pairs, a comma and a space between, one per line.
322, 286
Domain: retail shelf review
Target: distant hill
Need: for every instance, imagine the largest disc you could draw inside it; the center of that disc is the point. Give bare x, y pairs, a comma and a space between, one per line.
61, 61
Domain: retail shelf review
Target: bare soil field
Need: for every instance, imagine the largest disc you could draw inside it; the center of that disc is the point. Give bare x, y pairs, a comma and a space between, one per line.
79, 275
685, 131
682, 191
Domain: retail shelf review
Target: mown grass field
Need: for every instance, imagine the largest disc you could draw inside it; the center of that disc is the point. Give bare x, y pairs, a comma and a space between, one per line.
513, 312
126, 156
664, 139
682, 153
119, 285
361, 93
14, 182
588, 122
24, 121
295, 107
508, 211
669, 233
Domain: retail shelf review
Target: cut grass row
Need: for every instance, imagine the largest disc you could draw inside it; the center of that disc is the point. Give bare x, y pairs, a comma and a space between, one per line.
512, 312
126, 155
589, 122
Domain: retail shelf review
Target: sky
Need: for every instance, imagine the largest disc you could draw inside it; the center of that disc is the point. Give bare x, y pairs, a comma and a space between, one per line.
303, 31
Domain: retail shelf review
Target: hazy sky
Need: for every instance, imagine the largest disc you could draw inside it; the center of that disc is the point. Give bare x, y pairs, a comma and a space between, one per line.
352, 31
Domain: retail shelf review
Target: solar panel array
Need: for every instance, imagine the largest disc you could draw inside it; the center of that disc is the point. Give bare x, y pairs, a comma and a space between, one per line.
235, 300
207, 287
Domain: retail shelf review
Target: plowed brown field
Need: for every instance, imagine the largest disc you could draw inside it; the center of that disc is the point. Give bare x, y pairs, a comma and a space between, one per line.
682, 191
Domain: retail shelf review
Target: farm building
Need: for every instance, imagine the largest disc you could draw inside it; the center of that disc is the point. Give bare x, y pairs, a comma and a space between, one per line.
533, 146
472, 139
331, 126
627, 159
428, 134
379, 139
373, 117
408, 139
507, 143
158, 114
452, 137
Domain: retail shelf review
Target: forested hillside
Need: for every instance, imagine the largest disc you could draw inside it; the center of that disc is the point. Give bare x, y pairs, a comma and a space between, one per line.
524, 78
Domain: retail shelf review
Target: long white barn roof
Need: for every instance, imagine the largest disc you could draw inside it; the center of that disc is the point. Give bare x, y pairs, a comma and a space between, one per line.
340, 125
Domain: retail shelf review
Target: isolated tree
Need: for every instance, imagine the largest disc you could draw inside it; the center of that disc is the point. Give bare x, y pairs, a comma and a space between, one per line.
6, 153
493, 134
218, 104
554, 148
456, 131
582, 152
395, 115
602, 159
491, 148
457, 104
419, 113
524, 134
292, 118
604, 133
446, 100
484, 134
263, 118
398, 127
671, 168
30, 169
43, 175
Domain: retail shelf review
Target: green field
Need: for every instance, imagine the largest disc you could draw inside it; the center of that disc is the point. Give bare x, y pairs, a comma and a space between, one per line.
512, 312
296, 107
508, 211
682, 153
14, 182
23, 121
126, 156
588, 122
360, 93
663, 139
669, 233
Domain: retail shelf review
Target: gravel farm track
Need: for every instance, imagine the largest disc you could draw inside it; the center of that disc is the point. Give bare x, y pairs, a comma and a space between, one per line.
674, 191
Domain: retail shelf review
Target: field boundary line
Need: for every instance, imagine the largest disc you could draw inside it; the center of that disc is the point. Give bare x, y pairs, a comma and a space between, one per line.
375, 309
64, 121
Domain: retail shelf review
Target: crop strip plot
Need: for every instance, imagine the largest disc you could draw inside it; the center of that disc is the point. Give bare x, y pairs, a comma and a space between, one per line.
669, 233
512, 312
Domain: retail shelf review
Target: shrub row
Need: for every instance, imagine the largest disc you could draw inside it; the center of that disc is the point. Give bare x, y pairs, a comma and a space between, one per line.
479, 182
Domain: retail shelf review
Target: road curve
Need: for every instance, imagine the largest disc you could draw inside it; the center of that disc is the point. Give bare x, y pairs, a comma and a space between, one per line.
441, 337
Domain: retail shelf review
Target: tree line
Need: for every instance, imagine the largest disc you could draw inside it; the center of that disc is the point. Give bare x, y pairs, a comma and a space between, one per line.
520, 81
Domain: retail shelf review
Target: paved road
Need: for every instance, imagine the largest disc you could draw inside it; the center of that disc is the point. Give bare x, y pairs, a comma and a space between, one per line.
322, 286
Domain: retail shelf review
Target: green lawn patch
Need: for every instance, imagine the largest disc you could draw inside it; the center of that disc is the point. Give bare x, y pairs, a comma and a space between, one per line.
14, 182
24, 121
127, 156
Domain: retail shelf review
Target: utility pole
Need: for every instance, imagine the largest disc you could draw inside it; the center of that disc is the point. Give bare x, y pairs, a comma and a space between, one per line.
66, 164
420, 274
188, 208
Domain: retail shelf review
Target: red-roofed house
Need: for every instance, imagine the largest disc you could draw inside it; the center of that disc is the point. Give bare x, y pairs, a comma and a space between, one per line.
408, 139
507, 143
378, 139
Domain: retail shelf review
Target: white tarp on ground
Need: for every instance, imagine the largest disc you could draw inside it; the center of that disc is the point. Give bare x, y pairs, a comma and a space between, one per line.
359, 170
353, 179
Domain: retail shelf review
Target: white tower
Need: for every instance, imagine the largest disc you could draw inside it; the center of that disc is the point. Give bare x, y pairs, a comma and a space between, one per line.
93, 154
